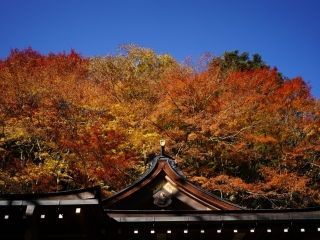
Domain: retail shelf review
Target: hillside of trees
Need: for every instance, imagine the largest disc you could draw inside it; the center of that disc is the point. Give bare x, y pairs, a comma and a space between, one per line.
235, 126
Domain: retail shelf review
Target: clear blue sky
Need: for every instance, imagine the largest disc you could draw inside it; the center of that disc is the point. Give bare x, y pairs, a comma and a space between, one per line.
285, 32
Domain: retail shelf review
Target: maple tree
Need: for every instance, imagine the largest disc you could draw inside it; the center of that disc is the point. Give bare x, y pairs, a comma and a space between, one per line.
236, 126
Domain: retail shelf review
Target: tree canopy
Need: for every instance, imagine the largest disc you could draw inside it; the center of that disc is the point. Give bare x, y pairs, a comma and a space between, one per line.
237, 128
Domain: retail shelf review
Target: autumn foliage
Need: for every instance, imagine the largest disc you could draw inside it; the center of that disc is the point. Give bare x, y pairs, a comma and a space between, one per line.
237, 128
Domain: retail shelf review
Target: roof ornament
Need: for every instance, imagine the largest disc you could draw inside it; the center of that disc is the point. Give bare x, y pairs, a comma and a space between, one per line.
162, 145
162, 198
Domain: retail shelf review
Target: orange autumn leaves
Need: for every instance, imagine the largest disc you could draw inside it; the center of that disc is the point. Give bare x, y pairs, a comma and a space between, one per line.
274, 190
67, 121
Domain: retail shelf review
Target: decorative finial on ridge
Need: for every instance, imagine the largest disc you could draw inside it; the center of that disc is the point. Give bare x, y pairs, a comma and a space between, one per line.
162, 145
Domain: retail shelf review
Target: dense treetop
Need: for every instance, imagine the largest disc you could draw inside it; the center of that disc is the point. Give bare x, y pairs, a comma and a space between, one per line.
237, 128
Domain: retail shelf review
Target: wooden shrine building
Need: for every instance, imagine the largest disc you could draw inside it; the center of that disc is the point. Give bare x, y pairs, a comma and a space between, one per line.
161, 205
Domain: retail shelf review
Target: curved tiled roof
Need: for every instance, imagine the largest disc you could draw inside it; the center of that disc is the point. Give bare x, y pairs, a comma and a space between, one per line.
166, 166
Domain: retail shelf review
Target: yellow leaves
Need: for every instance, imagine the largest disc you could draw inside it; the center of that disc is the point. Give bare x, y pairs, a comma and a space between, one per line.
199, 180
139, 138
15, 132
192, 136
311, 133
